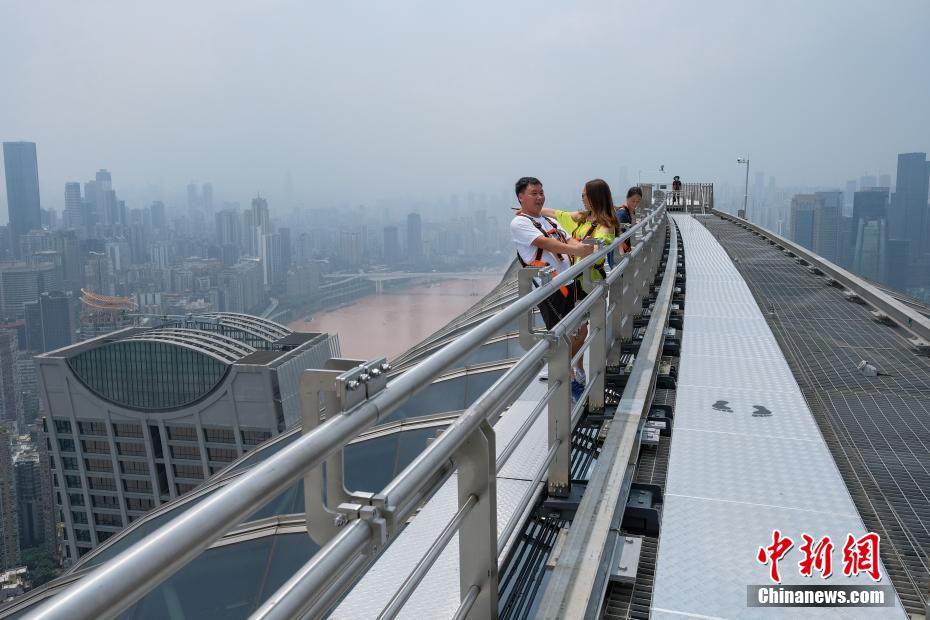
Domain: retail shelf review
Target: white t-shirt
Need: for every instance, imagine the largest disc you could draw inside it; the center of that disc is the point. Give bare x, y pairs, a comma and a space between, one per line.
523, 233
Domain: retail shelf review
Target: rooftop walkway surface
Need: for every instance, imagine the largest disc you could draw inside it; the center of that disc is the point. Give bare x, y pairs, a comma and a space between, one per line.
438, 596
747, 458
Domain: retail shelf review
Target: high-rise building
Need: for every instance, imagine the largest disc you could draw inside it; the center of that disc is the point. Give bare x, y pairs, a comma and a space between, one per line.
99, 273
350, 247
851, 187
74, 207
229, 381
22, 190
50, 322
228, 227
90, 207
803, 207
884, 180
826, 235
103, 185
868, 181
21, 283
285, 257
206, 197
33, 500
908, 214
391, 245
11, 393
159, 220
28, 383
193, 198
9, 519
870, 233
414, 236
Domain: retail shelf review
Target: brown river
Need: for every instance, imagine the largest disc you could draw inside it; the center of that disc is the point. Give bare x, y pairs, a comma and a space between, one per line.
390, 323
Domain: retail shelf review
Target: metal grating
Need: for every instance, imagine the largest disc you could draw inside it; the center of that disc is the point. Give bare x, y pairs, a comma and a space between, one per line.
876, 428
633, 601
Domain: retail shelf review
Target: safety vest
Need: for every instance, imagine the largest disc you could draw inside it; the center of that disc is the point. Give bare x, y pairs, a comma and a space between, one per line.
592, 227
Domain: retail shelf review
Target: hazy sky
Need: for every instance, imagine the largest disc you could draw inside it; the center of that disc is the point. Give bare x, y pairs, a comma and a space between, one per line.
365, 100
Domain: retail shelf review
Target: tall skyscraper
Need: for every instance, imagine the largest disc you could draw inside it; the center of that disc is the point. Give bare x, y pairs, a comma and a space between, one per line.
50, 322
229, 382
11, 394
193, 198
391, 245
851, 187
826, 235
105, 198
90, 207
414, 236
908, 213
870, 233
159, 220
867, 181
22, 190
74, 207
206, 197
884, 180
803, 207
21, 283
9, 515
228, 227
33, 501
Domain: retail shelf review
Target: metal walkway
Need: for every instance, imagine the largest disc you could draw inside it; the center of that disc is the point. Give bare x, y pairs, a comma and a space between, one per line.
746, 458
876, 427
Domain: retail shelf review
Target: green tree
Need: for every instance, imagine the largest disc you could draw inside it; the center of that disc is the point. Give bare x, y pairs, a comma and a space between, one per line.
40, 564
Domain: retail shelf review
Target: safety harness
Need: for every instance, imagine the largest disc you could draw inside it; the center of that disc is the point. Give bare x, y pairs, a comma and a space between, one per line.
552, 233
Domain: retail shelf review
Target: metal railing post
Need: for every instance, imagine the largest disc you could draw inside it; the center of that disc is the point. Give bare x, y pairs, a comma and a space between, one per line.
614, 298
597, 331
560, 417
477, 477
527, 336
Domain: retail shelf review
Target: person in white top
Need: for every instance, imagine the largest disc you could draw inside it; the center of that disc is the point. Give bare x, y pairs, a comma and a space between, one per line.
540, 241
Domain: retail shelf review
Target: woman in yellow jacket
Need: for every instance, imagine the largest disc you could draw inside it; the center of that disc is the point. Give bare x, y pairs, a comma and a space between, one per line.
598, 220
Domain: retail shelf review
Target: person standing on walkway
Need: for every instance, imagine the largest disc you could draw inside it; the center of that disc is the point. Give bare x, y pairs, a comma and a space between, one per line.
541, 242
676, 190
626, 211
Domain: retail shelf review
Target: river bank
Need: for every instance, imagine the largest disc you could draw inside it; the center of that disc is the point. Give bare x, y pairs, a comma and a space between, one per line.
390, 323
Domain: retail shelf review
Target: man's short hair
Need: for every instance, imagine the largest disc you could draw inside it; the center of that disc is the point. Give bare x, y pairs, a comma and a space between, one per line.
634, 191
523, 182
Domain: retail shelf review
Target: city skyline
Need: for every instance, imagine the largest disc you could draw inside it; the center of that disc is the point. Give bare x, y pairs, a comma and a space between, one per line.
380, 120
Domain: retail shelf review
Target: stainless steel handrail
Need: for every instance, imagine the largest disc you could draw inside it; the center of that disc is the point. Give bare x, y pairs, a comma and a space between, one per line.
129, 576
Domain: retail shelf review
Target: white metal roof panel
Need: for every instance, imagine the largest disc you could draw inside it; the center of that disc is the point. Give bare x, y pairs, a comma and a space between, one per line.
746, 457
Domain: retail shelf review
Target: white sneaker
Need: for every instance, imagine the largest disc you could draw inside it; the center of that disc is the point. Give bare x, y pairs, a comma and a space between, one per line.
580, 377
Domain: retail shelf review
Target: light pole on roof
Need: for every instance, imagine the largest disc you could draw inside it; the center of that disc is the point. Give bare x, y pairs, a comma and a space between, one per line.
745, 160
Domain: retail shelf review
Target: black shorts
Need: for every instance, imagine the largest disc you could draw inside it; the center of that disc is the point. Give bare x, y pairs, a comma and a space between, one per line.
557, 305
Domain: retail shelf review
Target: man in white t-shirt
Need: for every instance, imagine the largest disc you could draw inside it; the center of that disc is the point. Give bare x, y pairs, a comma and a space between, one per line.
540, 241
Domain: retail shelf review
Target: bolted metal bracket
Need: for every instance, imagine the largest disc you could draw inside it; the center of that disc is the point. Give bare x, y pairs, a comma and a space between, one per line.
336, 388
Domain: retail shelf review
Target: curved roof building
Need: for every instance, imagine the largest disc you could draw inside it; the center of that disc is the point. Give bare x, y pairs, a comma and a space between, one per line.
142, 416
253, 559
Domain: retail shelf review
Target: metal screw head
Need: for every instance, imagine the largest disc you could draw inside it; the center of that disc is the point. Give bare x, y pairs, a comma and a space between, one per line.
352, 385
385, 367
364, 377
340, 520
374, 372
